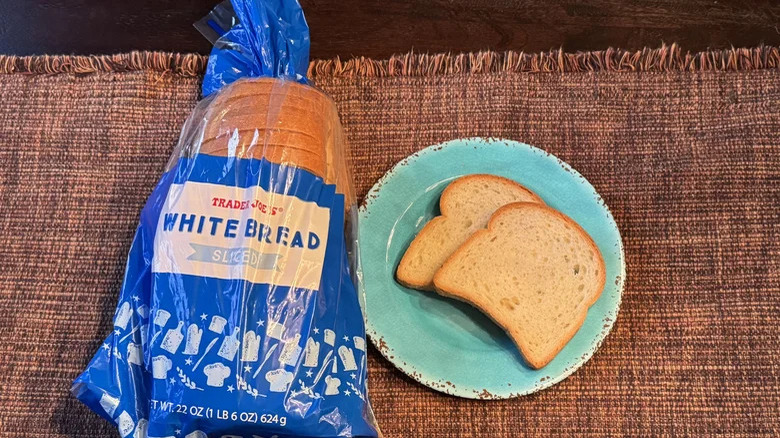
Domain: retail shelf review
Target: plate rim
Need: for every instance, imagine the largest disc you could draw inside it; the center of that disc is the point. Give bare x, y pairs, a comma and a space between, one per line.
385, 350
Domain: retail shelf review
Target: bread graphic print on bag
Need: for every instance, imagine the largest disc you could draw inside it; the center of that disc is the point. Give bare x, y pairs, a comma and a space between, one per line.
311, 358
229, 346
109, 404
134, 354
217, 324
141, 429
291, 351
194, 335
251, 347
160, 319
123, 316
216, 374
332, 385
173, 338
275, 330
347, 358
330, 337
160, 367
279, 379
125, 424
360, 343
143, 311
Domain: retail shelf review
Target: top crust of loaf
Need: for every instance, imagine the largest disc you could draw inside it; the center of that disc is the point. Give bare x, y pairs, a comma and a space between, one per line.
284, 122
459, 292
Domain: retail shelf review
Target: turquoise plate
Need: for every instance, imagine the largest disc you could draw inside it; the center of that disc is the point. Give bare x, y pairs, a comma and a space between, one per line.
447, 345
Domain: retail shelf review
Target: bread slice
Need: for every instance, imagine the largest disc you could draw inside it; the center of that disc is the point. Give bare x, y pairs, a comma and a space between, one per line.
466, 206
534, 271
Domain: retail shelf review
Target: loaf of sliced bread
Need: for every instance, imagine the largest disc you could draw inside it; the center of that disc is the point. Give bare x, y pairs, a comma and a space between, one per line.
282, 121
466, 206
534, 271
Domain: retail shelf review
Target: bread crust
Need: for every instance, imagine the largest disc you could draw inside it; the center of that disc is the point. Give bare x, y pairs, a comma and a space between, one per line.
513, 332
444, 208
285, 89
404, 273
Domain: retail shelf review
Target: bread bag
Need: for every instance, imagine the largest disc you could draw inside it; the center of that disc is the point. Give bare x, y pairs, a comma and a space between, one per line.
239, 313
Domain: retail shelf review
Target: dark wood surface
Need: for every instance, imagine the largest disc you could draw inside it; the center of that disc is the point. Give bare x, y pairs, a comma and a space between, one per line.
379, 28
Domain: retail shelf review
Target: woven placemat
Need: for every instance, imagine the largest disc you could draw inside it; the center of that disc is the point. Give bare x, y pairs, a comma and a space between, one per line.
684, 149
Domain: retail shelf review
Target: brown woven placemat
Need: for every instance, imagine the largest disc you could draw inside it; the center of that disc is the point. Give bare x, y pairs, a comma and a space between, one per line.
684, 148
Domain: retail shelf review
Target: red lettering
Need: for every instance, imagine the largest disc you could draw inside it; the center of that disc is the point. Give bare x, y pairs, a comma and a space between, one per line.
238, 204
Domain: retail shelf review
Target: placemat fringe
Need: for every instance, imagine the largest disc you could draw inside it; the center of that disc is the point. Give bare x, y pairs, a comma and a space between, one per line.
666, 58
189, 64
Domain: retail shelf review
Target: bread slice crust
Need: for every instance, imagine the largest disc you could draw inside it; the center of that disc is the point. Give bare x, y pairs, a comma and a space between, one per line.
463, 294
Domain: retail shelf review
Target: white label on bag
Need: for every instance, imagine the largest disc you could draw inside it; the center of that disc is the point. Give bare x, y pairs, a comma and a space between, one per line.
227, 232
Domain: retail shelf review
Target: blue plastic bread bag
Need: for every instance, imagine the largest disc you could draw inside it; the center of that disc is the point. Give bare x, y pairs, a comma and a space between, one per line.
239, 314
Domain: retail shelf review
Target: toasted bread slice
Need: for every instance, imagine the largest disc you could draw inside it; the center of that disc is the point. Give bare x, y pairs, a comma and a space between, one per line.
466, 206
534, 271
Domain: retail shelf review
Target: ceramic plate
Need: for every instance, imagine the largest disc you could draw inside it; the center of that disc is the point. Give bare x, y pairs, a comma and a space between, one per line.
448, 345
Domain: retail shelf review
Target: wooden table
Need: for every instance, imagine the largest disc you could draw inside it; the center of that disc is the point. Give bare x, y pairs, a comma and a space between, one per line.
380, 28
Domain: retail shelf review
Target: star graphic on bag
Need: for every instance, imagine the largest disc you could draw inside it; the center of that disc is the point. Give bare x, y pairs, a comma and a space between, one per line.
353, 375
247, 368
188, 361
203, 316
177, 431
106, 347
309, 373
136, 299
117, 332
346, 338
260, 323
316, 331
230, 388
347, 393
172, 380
